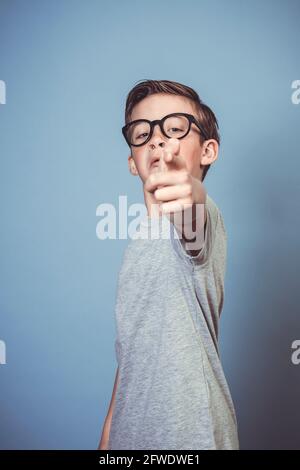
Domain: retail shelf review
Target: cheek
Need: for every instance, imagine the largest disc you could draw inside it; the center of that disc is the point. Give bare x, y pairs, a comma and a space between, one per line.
140, 158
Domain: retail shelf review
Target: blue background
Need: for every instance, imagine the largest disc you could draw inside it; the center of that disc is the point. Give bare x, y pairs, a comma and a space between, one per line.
68, 66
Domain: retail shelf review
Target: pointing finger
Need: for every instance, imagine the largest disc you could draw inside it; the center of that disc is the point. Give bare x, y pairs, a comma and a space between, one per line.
172, 154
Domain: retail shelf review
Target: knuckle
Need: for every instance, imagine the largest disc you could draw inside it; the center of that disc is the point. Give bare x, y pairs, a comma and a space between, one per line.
188, 189
185, 176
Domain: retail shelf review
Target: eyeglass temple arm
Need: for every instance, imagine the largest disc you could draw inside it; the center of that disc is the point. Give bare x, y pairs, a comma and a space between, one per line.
200, 127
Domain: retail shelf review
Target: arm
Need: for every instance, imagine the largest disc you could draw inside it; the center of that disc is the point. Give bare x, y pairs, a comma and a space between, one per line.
106, 427
191, 223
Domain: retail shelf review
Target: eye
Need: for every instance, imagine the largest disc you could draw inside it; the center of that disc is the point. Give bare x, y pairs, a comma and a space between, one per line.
174, 129
144, 134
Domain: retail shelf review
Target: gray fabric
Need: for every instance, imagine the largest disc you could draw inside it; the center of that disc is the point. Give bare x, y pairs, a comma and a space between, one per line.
172, 392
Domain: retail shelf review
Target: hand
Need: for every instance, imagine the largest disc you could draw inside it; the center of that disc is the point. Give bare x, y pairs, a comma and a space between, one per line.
179, 195
172, 186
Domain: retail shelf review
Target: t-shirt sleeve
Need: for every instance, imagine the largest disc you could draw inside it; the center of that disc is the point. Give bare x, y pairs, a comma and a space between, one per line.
212, 216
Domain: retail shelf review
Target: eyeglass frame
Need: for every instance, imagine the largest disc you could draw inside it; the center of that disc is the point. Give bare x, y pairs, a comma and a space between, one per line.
160, 122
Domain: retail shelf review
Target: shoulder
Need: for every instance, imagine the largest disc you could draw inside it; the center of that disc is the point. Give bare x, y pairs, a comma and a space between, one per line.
212, 208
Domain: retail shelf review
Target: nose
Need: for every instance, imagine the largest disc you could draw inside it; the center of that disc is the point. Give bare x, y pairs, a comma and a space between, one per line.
157, 139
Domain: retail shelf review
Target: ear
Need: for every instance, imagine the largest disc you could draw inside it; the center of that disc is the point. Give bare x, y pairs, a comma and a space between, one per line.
209, 152
131, 166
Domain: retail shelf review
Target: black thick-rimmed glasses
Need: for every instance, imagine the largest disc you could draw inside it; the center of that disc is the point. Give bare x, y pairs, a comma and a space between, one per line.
176, 125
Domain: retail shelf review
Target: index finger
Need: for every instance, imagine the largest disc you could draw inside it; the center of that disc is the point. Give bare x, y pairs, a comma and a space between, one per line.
172, 154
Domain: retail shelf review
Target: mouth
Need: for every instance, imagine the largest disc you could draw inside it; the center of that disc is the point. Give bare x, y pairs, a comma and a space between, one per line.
154, 163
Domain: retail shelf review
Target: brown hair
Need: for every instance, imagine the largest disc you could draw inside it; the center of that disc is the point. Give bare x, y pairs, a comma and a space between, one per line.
149, 87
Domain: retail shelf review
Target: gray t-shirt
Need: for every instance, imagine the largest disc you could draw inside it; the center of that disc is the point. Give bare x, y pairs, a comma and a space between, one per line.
172, 393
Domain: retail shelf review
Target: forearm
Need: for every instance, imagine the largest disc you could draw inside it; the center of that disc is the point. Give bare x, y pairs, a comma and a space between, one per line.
103, 444
190, 224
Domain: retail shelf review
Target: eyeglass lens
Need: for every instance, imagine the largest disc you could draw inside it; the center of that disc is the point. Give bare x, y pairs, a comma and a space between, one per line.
174, 126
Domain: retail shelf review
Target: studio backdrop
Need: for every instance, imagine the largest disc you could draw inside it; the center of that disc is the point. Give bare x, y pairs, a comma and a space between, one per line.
65, 70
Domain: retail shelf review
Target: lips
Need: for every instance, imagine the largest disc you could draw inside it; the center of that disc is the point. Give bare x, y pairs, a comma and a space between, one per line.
154, 162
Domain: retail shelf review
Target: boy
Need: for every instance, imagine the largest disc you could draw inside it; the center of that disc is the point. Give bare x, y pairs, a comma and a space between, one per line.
170, 391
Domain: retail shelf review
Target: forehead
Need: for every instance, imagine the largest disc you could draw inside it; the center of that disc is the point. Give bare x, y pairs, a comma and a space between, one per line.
158, 105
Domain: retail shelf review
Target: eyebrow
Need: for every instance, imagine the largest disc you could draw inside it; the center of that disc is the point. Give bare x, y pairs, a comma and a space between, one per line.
146, 119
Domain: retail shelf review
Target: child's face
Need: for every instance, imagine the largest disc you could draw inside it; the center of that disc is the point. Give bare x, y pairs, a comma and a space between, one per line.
156, 107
